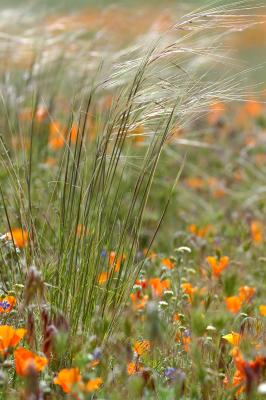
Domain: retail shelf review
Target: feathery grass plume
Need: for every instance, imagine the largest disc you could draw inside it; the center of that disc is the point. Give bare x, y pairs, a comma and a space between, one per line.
74, 101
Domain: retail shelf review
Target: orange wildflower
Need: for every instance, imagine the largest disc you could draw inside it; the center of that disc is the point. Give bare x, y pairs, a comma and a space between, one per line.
200, 232
195, 183
168, 263
93, 384
67, 379
243, 366
138, 302
6, 304
256, 229
133, 367
217, 110
137, 134
217, 265
253, 108
246, 293
159, 286
233, 304
186, 342
10, 337
74, 133
187, 288
19, 236
103, 277
115, 261
26, 359
56, 138
262, 310
141, 346
176, 317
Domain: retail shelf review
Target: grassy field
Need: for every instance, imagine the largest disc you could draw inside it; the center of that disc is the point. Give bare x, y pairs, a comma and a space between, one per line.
132, 201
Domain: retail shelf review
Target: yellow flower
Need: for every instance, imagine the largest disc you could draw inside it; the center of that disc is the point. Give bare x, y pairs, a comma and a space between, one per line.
232, 338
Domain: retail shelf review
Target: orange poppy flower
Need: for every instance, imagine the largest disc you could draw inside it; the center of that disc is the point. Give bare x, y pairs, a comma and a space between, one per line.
67, 379
256, 230
217, 265
141, 347
103, 277
176, 317
159, 286
166, 262
243, 366
93, 384
74, 133
138, 302
246, 293
19, 236
233, 304
200, 232
217, 110
188, 289
115, 261
262, 310
186, 342
25, 360
56, 138
10, 337
133, 368
253, 108
195, 183
6, 304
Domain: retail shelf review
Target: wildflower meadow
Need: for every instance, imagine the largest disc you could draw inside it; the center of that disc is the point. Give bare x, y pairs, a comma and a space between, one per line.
133, 200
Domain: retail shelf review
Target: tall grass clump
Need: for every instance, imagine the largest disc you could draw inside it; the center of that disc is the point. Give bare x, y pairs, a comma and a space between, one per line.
83, 126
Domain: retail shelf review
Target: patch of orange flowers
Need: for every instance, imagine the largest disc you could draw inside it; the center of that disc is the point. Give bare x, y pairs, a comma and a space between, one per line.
246, 370
158, 286
70, 379
234, 303
200, 232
